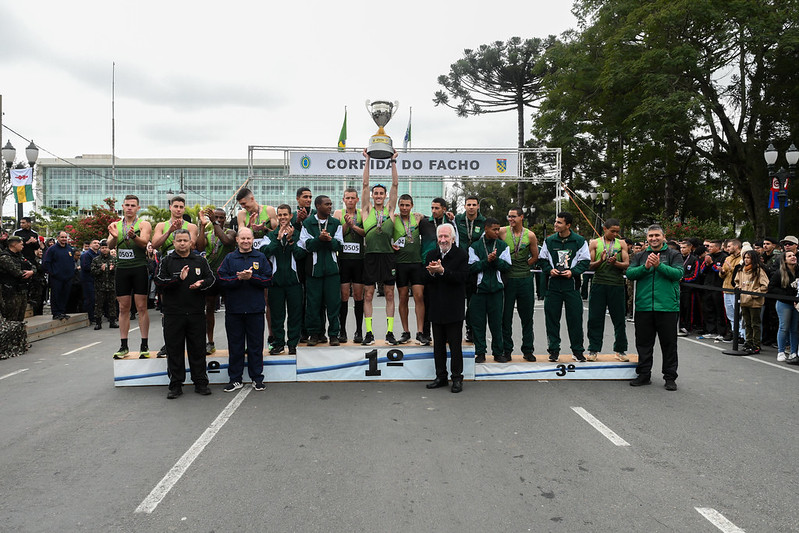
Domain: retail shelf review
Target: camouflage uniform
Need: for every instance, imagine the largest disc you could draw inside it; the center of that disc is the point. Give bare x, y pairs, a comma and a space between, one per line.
14, 287
13, 338
104, 291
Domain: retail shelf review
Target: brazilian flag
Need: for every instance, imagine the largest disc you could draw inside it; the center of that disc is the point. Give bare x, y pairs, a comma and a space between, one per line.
342, 138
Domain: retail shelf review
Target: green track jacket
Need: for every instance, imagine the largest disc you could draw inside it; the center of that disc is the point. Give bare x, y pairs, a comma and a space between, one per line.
323, 253
657, 289
489, 277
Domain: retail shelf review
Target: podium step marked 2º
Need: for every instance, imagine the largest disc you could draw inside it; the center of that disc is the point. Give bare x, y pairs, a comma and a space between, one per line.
352, 362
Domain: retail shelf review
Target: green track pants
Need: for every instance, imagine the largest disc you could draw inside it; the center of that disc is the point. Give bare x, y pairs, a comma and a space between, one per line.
554, 302
282, 299
610, 297
518, 291
325, 290
486, 306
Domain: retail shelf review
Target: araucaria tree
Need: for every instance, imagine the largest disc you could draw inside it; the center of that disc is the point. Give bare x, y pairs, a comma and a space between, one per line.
497, 77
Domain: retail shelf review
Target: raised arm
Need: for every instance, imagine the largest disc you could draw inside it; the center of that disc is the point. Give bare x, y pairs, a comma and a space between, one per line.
393, 194
366, 203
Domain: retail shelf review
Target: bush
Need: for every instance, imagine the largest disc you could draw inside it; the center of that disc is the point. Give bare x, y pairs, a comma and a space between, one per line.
693, 227
94, 225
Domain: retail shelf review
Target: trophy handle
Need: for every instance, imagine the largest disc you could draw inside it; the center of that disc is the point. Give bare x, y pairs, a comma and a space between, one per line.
396, 106
367, 104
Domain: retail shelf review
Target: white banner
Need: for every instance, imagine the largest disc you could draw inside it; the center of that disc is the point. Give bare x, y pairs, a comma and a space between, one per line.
410, 164
21, 177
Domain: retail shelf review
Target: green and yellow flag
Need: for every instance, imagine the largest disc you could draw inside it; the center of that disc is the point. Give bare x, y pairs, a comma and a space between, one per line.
22, 184
342, 138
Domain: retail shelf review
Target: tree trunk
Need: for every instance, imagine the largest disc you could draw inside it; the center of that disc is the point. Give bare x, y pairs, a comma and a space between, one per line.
520, 124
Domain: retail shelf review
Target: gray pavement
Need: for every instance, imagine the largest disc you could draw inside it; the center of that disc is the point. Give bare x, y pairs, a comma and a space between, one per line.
79, 454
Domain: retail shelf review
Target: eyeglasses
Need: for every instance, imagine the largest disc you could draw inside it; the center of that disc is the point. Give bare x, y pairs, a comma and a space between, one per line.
513, 216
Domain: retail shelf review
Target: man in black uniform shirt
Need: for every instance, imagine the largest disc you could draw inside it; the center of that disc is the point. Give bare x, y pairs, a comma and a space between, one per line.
183, 278
30, 239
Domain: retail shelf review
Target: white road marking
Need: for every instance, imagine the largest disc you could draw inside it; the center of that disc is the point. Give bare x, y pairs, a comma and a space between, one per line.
81, 348
13, 373
718, 520
133, 329
749, 357
599, 426
176, 472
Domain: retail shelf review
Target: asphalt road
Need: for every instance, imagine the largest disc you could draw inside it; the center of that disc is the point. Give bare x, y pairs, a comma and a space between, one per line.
79, 454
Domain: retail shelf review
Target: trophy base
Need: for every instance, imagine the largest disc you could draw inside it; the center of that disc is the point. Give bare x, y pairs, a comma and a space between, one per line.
380, 147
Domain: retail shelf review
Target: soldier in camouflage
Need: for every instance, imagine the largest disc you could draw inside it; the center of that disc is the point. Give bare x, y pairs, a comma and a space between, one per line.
103, 270
13, 338
15, 272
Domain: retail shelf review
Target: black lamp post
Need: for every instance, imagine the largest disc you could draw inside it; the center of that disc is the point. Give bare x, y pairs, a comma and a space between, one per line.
529, 214
780, 178
600, 200
9, 153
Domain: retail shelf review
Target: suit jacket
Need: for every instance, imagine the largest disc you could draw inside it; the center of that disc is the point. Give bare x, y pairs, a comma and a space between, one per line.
447, 291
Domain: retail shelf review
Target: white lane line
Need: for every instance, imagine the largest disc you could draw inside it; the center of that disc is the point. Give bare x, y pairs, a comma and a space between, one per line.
81, 348
133, 329
176, 472
599, 426
13, 373
775, 365
750, 358
700, 343
718, 520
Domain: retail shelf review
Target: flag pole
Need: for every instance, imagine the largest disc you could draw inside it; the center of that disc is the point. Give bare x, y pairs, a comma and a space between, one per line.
113, 136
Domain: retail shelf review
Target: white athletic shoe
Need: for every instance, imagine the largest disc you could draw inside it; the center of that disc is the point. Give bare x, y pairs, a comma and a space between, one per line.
621, 356
781, 357
591, 356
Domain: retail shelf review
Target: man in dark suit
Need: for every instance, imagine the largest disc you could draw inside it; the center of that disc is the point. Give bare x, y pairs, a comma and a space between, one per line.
447, 273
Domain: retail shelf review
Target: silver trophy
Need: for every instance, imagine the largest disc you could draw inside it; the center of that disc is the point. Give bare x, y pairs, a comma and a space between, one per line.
380, 146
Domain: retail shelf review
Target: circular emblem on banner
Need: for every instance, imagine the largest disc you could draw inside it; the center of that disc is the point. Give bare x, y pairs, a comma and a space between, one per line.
305, 162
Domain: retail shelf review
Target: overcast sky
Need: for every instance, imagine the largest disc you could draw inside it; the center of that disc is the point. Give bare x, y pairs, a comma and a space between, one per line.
197, 79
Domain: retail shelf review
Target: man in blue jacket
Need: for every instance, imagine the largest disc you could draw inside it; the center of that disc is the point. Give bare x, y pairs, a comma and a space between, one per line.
244, 274
59, 263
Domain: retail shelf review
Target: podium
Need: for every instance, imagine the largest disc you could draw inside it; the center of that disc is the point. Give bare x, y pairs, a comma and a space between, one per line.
379, 362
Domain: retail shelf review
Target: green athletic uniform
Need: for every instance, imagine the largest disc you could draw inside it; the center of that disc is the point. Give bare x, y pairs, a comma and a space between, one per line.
487, 300
285, 294
215, 251
353, 242
518, 292
129, 254
570, 253
169, 243
607, 292
322, 282
406, 237
379, 230
469, 231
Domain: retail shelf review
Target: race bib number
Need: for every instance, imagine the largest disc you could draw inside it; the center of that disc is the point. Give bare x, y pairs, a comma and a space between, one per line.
125, 254
352, 248
257, 243
400, 243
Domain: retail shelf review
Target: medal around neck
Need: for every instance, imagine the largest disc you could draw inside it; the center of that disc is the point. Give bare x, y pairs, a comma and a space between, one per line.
380, 145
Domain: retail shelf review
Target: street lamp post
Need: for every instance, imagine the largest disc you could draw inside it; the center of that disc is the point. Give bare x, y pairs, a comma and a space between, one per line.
780, 178
9, 153
600, 200
529, 213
